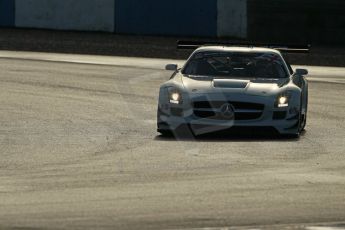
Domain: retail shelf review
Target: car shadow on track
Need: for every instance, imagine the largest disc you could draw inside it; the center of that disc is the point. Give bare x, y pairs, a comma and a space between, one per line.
231, 135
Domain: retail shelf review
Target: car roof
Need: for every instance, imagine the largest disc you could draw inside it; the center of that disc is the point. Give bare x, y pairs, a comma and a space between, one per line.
236, 49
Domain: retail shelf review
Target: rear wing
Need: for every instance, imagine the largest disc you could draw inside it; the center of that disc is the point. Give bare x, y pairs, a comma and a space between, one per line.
282, 48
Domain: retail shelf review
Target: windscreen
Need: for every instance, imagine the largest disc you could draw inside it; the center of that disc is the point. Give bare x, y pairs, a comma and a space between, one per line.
236, 65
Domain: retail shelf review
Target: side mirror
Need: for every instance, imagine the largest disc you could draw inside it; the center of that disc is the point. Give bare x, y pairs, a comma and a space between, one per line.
301, 72
172, 67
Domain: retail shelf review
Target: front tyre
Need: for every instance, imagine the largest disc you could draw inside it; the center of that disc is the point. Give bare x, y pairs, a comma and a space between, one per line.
302, 121
166, 133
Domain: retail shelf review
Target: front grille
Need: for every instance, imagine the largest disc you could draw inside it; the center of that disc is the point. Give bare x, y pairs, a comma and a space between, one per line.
243, 110
247, 116
200, 113
218, 104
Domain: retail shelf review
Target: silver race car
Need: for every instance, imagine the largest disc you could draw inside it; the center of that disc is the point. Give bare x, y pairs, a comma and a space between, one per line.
222, 87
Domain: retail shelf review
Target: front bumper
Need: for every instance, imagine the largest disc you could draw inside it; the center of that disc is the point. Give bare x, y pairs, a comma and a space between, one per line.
284, 120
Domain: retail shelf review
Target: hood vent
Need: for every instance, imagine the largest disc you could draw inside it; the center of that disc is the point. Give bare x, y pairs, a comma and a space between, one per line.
231, 84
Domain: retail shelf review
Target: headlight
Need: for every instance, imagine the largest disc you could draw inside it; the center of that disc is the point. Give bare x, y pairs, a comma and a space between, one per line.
283, 100
175, 96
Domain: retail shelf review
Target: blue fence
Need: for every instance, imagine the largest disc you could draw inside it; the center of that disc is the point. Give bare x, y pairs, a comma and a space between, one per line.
168, 17
7, 12
143, 17
300, 21
84, 15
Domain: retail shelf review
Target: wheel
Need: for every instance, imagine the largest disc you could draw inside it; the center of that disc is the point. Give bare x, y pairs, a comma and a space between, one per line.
301, 123
303, 117
166, 133
304, 123
292, 136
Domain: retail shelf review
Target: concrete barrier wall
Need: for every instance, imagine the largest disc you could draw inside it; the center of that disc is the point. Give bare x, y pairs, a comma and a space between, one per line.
297, 21
88, 15
278, 21
167, 17
7, 13
232, 18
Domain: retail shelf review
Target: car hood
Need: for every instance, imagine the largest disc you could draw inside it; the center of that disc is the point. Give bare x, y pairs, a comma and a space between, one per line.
260, 87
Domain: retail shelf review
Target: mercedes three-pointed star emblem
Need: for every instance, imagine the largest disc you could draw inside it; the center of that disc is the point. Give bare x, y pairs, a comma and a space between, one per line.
227, 111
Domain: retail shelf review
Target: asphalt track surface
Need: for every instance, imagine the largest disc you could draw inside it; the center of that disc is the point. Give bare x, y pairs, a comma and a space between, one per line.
79, 150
